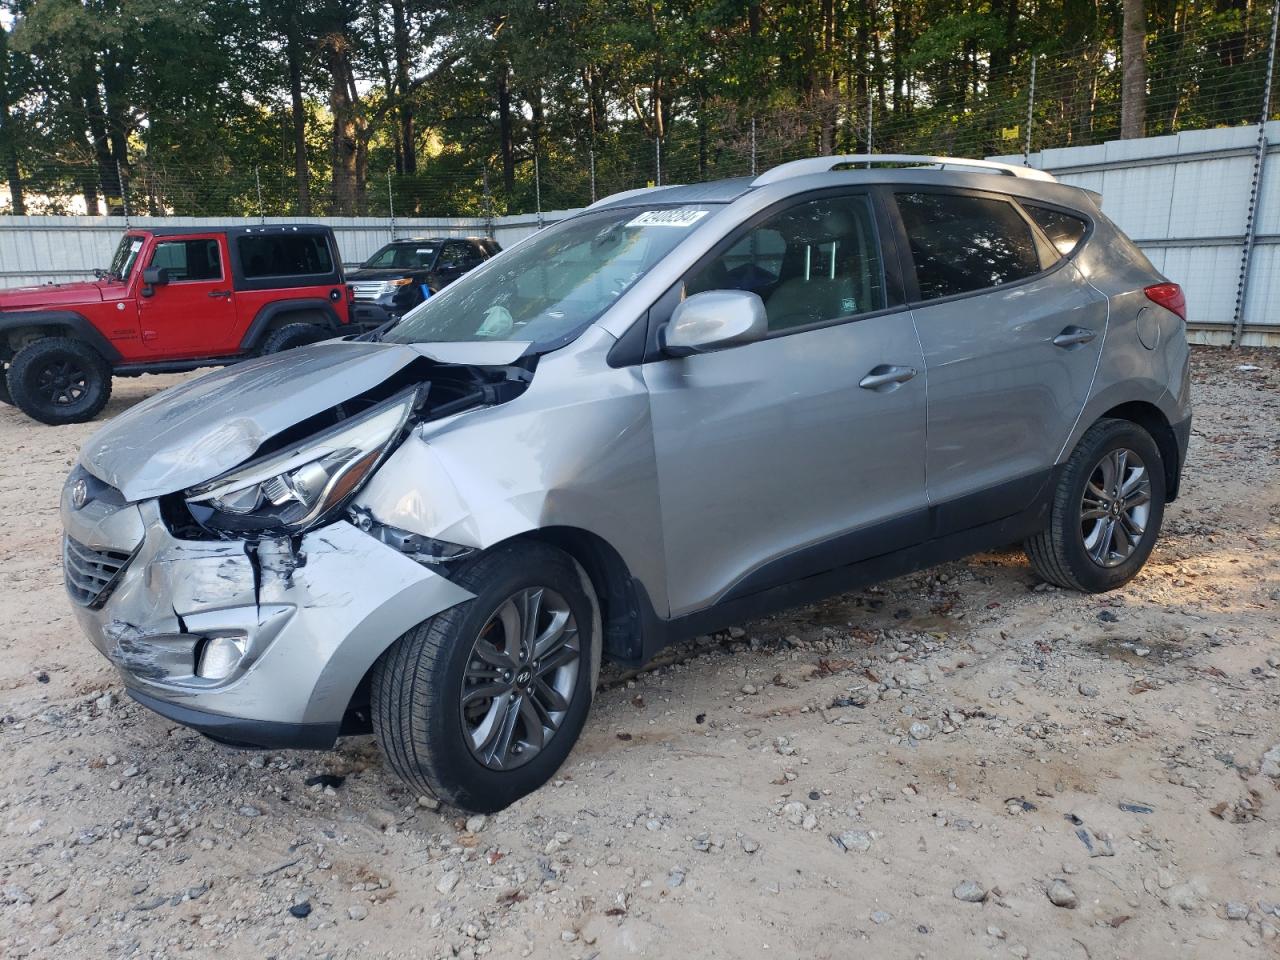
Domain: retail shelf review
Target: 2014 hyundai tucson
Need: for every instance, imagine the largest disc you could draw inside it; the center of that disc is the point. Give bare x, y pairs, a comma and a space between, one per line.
680, 408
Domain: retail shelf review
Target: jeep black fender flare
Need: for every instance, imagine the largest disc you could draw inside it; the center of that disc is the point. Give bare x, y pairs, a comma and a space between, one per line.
279, 309
58, 323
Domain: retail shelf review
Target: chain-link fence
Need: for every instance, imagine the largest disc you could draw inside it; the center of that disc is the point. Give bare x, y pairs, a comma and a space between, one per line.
1207, 79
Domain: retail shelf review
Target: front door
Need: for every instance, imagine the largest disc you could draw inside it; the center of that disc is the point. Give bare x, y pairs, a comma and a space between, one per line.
803, 451
194, 314
1011, 338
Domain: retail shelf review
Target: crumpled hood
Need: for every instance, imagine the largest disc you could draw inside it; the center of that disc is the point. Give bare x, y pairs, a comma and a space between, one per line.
200, 429
49, 295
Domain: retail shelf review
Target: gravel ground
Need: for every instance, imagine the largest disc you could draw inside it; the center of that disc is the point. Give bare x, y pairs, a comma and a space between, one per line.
961, 763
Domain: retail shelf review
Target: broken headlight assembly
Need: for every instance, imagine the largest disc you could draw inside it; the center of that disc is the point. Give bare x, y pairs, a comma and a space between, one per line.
307, 482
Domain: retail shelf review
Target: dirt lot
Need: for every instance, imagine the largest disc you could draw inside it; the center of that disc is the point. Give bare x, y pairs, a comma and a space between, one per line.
919, 770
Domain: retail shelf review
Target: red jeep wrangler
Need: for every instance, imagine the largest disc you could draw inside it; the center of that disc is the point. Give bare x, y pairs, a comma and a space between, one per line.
173, 299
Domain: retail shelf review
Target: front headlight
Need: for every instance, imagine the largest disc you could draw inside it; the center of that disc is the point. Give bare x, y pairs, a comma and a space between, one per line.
302, 485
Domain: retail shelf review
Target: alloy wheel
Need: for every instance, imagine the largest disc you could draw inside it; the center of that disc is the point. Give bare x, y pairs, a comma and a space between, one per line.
1115, 507
520, 678
61, 382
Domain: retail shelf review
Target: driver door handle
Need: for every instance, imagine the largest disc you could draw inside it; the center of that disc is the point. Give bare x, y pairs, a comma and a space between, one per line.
886, 375
1072, 336
220, 293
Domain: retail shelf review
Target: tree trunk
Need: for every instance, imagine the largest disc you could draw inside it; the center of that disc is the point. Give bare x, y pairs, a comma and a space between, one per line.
400, 41
505, 135
344, 143
1133, 80
301, 172
8, 137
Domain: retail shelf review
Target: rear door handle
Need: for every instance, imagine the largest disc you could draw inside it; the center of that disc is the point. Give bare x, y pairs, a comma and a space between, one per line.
886, 376
1072, 336
219, 293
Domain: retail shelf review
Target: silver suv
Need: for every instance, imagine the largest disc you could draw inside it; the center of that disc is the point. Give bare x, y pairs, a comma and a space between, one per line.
678, 409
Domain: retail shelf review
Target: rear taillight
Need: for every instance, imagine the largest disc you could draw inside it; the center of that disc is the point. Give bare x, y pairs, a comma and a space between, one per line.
1169, 296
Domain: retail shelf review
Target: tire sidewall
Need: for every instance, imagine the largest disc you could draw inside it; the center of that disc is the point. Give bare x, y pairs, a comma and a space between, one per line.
26, 365
1090, 575
473, 785
292, 335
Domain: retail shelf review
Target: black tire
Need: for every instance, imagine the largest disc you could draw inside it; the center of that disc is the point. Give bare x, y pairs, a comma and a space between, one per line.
58, 380
1060, 553
293, 335
417, 685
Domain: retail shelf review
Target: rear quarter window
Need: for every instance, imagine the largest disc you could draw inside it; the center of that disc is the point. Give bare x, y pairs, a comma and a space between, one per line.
287, 255
1063, 230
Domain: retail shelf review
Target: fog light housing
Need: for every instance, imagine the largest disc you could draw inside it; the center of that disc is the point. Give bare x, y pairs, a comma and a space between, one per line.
218, 657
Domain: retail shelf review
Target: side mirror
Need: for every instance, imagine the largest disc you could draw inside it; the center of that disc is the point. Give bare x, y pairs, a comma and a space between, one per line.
714, 320
153, 277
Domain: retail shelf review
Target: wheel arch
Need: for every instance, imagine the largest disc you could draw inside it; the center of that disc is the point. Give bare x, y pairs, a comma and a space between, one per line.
276, 314
19, 328
620, 603
1152, 419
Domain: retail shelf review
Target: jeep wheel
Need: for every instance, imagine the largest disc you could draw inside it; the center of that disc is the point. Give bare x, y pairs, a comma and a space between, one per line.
1106, 512
293, 335
58, 380
482, 703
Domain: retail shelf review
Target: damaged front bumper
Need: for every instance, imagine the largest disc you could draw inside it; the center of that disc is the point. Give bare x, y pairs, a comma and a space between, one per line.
261, 648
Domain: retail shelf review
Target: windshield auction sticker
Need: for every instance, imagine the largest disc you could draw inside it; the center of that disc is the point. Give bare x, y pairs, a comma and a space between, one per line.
668, 218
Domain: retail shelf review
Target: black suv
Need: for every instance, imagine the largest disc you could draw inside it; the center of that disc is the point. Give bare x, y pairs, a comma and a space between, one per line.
405, 272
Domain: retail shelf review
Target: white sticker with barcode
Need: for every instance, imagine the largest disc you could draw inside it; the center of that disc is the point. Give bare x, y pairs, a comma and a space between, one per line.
668, 218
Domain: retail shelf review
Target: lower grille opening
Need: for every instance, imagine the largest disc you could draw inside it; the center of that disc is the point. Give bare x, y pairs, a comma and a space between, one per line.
90, 574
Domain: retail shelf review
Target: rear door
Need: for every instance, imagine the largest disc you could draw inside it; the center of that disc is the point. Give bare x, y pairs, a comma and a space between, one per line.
1011, 334
804, 451
456, 258
194, 314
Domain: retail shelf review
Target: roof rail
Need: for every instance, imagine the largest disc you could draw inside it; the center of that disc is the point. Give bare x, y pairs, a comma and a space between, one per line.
799, 168
622, 194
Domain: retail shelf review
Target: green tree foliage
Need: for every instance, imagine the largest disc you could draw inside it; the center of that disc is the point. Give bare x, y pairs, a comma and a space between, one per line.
426, 107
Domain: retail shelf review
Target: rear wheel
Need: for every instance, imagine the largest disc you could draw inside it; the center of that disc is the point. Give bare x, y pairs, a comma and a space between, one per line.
59, 380
1107, 510
293, 335
481, 704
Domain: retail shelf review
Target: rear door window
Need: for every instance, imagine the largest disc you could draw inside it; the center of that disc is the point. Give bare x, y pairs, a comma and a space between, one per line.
187, 260
287, 255
1063, 230
962, 243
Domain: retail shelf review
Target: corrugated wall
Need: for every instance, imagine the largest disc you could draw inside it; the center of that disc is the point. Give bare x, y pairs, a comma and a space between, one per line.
1183, 198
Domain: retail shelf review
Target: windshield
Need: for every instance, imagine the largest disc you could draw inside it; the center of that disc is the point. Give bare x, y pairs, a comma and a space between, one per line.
406, 256
126, 256
552, 286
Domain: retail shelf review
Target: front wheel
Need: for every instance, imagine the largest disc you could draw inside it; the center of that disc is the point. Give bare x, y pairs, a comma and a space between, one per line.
58, 380
1107, 510
482, 703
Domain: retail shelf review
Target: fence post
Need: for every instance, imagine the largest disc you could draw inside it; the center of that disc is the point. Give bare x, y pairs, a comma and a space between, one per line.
591, 157
488, 201
257, 180
391, 204
1255, 188
657, 161
537, 187
124, 194
753, 146
871, 109
1031, 106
